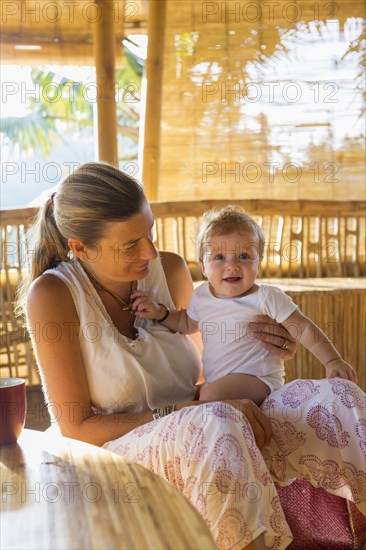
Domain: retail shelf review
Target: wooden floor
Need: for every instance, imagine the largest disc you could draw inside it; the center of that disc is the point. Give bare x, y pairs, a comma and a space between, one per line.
37, 417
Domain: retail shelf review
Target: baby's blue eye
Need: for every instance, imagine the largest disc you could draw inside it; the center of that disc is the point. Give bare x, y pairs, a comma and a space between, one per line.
244, 256
219, 257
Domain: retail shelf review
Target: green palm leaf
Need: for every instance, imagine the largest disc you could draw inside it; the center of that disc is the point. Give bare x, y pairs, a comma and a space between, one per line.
60, 99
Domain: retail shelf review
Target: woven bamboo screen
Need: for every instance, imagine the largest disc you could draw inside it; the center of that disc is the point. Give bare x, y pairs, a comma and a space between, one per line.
263, 100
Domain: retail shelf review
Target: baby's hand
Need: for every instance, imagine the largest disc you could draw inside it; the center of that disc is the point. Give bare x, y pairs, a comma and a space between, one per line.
341, 369
145, 307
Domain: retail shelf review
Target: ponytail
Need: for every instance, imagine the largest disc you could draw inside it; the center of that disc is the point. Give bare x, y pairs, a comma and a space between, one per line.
47, 248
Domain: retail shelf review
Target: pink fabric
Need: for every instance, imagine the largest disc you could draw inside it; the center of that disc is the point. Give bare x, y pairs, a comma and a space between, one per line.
319, 520
208, 452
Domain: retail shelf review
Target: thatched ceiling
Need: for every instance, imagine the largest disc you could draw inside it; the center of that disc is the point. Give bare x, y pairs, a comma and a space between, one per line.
61, 31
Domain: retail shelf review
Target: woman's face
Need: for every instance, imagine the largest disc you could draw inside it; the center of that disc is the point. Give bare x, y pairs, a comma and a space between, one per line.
125, 251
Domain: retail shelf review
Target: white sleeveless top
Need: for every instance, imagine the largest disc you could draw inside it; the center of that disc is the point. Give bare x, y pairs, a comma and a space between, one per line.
158, 368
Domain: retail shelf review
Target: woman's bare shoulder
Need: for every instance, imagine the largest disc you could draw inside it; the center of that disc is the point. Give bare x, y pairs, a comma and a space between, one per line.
47, 284
178, 278
48, 292
172, 261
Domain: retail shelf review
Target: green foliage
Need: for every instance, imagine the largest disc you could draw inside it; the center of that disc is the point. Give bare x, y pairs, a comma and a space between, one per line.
31, 131
61, 103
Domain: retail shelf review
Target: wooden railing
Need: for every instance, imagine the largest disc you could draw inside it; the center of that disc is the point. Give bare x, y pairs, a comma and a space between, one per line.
16, 354
303, 238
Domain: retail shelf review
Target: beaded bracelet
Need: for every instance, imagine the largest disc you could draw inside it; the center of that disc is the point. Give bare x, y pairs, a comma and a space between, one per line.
166, 314
163, 411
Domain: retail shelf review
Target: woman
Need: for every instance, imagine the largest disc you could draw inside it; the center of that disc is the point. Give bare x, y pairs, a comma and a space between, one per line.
109, 375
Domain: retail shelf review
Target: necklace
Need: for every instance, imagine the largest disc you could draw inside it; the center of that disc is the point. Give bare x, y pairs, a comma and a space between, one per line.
124, 305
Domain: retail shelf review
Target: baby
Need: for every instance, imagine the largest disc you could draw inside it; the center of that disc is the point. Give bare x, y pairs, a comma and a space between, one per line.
230, 249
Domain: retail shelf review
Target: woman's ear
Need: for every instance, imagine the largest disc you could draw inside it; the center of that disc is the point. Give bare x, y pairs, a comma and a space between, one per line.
77, 248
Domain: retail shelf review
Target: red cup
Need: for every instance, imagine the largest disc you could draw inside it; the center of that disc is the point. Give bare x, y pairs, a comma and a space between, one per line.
12, 404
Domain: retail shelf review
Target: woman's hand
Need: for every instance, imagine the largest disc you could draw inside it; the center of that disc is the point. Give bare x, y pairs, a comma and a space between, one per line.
259, 422
273, 336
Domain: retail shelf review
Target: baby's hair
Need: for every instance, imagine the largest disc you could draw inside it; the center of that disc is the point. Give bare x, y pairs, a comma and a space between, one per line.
224, 221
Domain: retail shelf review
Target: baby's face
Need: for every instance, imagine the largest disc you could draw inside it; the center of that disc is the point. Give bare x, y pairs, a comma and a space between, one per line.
231, 264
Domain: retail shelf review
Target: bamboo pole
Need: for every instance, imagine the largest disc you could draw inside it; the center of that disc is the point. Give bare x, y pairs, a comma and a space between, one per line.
104, 52
154, 77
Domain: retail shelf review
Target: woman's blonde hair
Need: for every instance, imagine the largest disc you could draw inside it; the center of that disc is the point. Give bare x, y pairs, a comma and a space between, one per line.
224, 221
93, 195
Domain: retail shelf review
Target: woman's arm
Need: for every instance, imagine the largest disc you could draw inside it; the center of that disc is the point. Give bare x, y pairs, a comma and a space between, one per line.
54, 326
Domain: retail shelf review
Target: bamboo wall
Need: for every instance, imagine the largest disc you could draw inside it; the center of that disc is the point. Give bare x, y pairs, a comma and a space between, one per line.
263, 102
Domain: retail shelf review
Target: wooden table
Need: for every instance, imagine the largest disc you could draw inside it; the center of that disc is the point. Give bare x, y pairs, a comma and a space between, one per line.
64, 494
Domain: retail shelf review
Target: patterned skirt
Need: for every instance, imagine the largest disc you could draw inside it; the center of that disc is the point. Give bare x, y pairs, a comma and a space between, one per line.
208, 452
